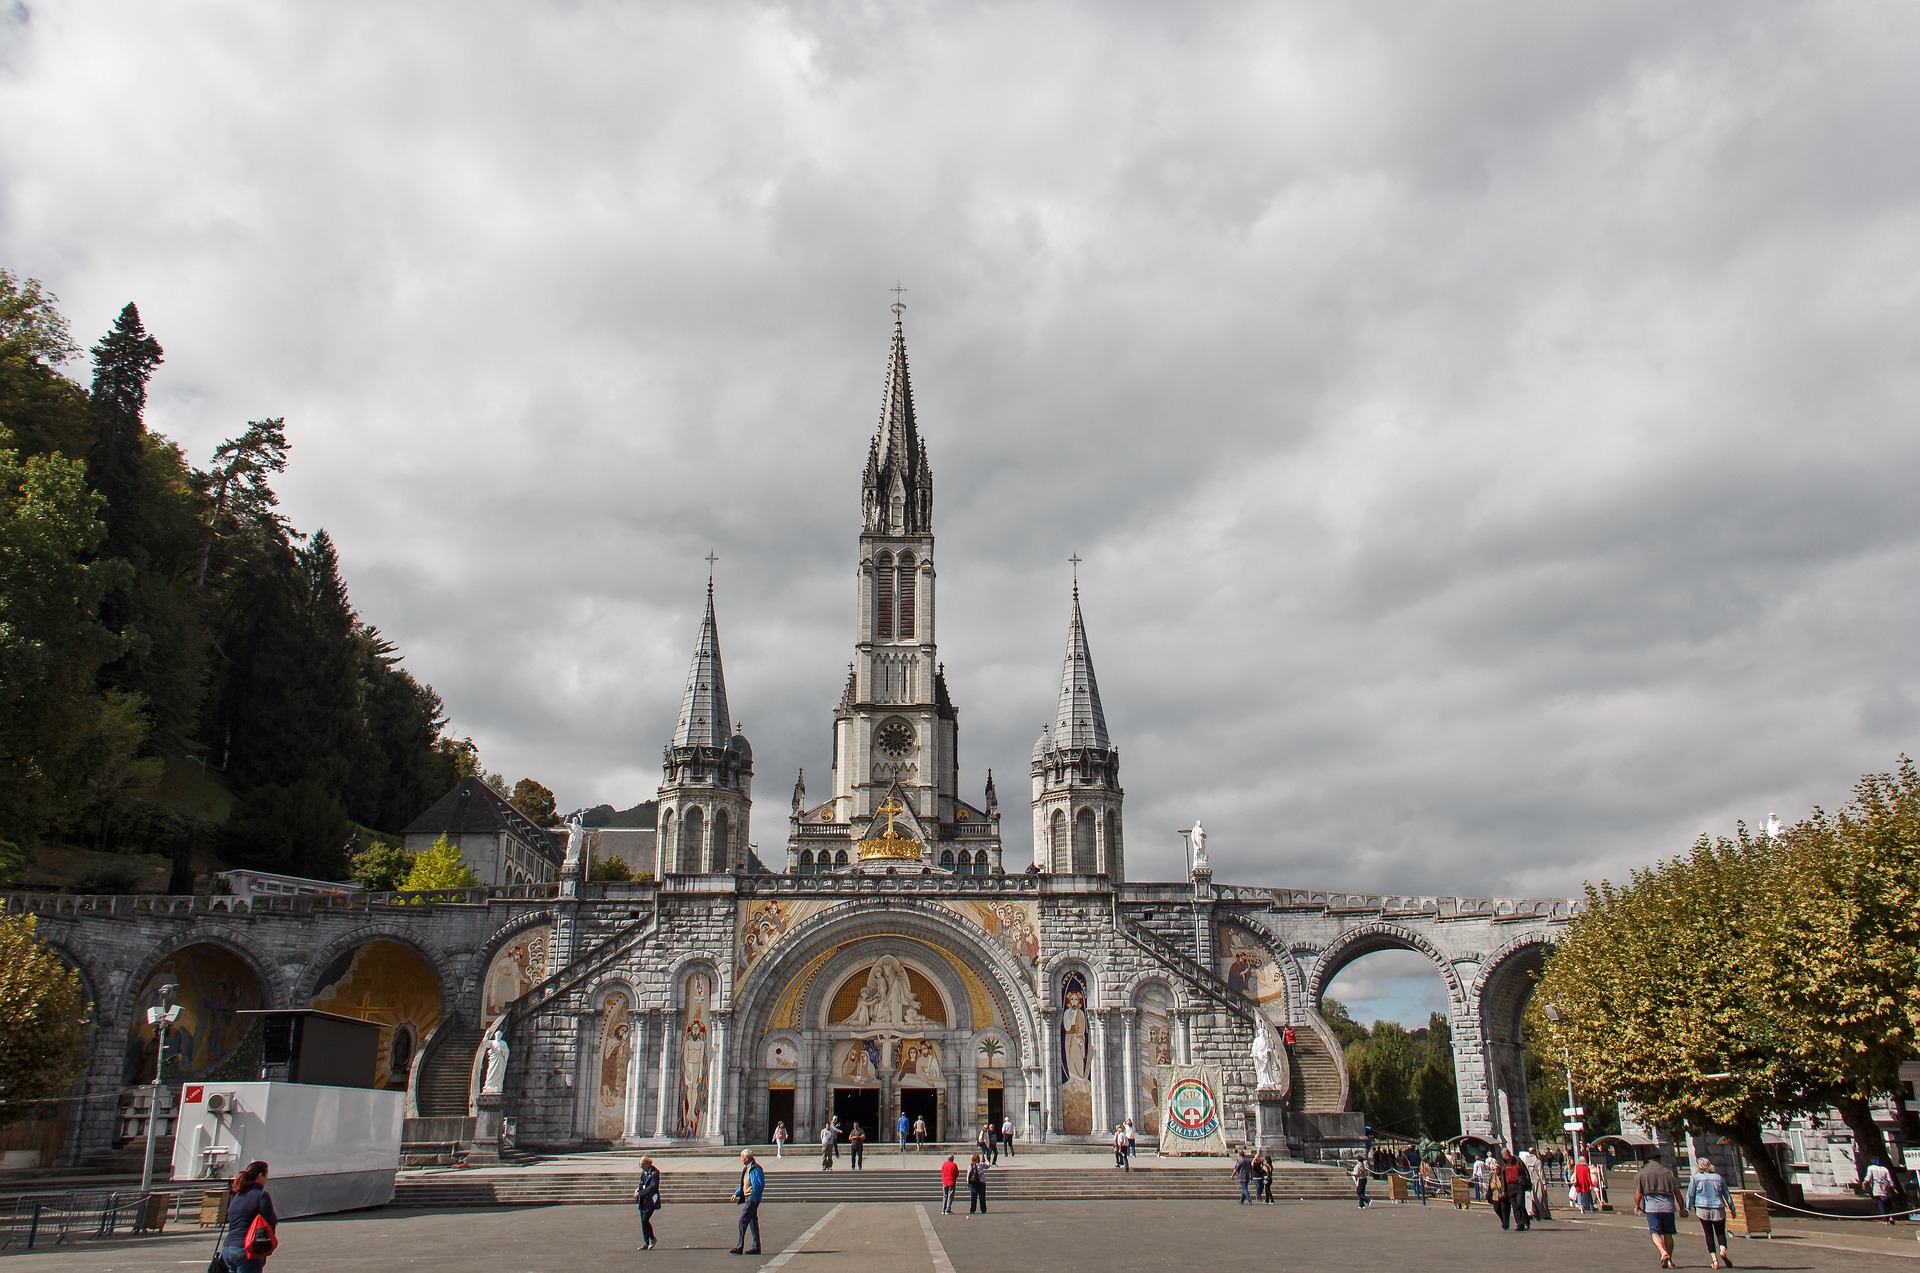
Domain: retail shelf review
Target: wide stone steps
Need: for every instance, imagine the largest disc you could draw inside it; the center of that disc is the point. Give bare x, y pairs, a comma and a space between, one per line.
549, 1188
447, 1075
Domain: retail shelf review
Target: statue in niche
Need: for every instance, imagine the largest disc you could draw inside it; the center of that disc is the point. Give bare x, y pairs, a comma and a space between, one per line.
1266, 1057
887, 999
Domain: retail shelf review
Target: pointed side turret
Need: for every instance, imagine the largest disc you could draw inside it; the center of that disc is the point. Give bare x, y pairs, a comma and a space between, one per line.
1076, 773
706, 789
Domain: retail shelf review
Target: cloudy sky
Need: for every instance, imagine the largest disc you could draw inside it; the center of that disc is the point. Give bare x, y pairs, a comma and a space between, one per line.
1488, 427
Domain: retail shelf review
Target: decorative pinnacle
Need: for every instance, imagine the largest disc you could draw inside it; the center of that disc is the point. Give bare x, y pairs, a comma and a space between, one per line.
1075, 559
899, 306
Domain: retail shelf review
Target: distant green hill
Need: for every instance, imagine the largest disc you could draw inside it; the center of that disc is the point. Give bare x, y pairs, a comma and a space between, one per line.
644, 814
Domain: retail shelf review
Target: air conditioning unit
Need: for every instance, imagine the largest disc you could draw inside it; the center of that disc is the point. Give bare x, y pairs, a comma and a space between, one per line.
219, 1103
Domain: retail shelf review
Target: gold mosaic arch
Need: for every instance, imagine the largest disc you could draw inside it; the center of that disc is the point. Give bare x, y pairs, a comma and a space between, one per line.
847, 997
786, 1013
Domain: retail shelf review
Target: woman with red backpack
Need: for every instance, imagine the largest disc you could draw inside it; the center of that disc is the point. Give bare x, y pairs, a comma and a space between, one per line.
251, 1221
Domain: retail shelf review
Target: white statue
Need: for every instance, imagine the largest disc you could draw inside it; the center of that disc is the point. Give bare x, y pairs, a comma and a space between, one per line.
1199, 837
576, 842
493, 1080
1266, 1057
887, 999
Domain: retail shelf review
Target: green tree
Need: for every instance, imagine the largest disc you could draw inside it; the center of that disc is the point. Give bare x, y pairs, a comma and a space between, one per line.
1378, 1074
43, 1021
382, 867
1346, 1031
441, 867
1638, 1017
45, 411
533, 799
300, 828
1435, 1088
237, 482
613, 869
52, 640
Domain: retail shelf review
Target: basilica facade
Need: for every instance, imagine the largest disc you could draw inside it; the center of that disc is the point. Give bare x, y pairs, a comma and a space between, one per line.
890, 962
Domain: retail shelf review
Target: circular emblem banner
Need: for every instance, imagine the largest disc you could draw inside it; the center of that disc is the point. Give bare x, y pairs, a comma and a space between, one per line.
1192, 1112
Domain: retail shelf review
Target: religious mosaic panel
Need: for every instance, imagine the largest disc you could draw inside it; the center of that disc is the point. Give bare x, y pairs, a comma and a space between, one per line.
1155, 1042
783, 1065
1014, 925
1249, 969
518, 968
390, 983
990, 1059
695, 1055
761, 924
916, 1063
214, 984
856, 1062
1076, 1076
615, 1070
888, 995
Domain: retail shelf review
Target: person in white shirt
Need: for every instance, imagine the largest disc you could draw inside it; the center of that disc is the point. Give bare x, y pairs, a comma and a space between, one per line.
1479, 1178
1879, 1183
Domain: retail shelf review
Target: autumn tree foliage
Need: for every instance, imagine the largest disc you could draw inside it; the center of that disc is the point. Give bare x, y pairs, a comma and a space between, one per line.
43, 1021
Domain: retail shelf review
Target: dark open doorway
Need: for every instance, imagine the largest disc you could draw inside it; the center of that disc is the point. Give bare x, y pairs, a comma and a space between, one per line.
858, 1105
996, 1108
779, 1110
921, 1102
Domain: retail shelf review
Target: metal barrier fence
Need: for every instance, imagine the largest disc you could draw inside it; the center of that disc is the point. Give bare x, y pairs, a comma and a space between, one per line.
81, 1215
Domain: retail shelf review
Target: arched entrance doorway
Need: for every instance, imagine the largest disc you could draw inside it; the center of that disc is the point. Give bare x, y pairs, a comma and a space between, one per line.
391, 983
869, 1017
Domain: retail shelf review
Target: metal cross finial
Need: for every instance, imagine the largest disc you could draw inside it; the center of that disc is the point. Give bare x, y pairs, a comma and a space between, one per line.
899, 306
711, 558
1075, 559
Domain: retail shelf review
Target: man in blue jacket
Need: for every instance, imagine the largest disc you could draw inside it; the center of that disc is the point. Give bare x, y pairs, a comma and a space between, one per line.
901, 1126
753, 1181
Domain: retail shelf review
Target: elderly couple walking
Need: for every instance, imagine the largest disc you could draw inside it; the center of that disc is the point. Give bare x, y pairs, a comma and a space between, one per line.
753, 1183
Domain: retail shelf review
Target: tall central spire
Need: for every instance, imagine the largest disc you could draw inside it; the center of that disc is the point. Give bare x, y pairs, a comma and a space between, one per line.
704, 721
1080, 721
897, 495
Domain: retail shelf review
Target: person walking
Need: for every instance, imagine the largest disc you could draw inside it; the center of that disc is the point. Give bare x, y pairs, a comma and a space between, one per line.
977, 1186
839, 1134
1879, 1183
985, 1142
1656, 1195
252, 1223
949, 1180
1133, 1140
1360, 1181
1583, 1185
1120, 1147
1006, 1134
647, 1198
1537, 1208
826, 1146
1708, 1199
753, 1181
1496, 1191
856, 1147
1423, 1181
1480, 1178
779, 1139
1519, 1184
920, 1135
1242, 1174
1263, 1177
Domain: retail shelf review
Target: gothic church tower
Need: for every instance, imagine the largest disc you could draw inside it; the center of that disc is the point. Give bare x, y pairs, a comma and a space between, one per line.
1076, 774
896, 735
706, 790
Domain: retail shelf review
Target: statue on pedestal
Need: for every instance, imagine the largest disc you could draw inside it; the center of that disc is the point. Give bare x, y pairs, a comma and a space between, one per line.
493, 1080
1267, 1062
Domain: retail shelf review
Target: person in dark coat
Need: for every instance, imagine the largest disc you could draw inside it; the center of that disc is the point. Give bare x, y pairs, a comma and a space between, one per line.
250, 1199
647, 1198
753, 1182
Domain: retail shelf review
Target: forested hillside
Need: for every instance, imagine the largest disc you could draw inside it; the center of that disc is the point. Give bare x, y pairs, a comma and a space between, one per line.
163, 629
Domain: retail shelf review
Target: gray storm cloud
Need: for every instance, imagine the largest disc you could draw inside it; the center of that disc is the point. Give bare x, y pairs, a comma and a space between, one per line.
1488, 428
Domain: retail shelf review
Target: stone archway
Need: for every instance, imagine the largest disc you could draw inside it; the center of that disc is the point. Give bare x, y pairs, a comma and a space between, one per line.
1499, 1002
808, 987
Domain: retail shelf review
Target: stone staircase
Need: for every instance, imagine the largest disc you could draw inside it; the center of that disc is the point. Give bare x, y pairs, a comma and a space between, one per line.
809, 1184
446, 1076
1315, 1075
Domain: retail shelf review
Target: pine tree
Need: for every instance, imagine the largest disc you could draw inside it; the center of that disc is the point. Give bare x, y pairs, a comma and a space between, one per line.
123, 363
1435, 1089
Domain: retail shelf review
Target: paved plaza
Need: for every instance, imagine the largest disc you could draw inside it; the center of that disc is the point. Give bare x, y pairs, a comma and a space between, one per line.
1094, 1237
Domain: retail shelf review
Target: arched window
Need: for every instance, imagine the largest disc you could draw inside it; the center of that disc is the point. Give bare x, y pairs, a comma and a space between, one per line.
806, 861
946, 859
1113, 844
1058, 846
668, 848
693, 834
717, 860
840, 858
883, 595
907, 579
1084, 858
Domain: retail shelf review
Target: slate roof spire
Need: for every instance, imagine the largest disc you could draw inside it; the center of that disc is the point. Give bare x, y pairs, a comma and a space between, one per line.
897, 493
1079, 720
704, 719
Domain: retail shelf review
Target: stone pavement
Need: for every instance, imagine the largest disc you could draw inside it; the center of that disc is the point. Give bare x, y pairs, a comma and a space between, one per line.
1088, 1237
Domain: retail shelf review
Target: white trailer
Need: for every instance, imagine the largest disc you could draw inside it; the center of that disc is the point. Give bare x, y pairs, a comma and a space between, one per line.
326, 1148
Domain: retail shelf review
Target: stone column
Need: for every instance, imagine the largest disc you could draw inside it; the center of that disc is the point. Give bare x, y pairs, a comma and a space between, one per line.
637, 1076
1130, 1064
1049, 1020
1098, 1071
1473, 1076
720, 1064
669, 1090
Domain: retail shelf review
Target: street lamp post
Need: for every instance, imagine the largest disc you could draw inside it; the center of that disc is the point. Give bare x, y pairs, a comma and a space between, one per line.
161, 1015
1574, 1121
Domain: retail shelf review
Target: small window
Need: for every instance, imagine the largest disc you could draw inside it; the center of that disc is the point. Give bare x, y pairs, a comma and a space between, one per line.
806, 861
840, 858
946, 859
